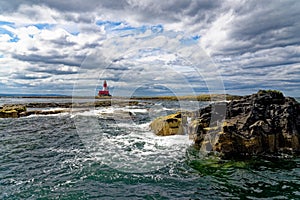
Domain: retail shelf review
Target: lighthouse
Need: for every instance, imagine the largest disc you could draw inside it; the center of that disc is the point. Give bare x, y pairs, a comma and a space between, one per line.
105, 86
104, 91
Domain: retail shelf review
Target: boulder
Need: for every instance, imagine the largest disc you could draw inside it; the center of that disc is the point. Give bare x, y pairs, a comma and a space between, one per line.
169, 125
8, 114
11, 111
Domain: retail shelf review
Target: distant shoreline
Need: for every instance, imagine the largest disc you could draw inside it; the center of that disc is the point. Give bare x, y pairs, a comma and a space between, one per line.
202, 97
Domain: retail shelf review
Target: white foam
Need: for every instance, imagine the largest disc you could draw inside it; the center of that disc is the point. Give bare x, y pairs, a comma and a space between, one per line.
127, 145
47, 115
56, 109
83, 113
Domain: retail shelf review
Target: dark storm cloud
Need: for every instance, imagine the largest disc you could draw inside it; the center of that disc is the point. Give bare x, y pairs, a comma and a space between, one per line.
85, 6
151, 11
264, 25
175, 11
118, 68
271, 64
74, 5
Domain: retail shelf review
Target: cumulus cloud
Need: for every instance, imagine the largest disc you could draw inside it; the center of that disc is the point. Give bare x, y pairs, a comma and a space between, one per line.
46, 45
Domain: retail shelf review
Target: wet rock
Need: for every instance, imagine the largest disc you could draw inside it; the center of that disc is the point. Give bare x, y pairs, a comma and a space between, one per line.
48, 105
169, 125
260, 124
11, 111
8, 114
265, 123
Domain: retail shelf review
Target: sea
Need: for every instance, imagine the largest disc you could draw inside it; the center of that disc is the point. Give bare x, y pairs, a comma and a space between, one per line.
111, 153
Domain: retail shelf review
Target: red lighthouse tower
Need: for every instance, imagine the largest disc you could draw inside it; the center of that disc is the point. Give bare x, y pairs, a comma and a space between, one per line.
104, 91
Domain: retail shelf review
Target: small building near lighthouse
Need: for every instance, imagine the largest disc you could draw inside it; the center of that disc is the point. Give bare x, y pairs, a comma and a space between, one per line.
104, 91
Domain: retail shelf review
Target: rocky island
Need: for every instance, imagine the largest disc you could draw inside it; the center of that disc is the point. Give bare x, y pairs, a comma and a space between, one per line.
265, 123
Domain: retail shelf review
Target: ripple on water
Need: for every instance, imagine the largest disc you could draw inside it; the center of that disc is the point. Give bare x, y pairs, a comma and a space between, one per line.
45, 157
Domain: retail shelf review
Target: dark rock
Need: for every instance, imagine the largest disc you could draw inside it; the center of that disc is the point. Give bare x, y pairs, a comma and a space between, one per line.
48, 105
265, 123
260, 124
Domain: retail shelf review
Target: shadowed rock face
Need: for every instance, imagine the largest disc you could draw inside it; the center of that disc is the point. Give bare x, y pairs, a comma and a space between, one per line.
261, 124
265, 123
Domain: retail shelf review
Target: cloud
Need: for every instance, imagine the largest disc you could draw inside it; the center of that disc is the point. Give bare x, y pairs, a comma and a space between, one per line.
52, 59
254, 44
29, 77
256, 26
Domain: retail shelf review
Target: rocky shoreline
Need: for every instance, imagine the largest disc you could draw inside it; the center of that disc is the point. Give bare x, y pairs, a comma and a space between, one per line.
265, 123
21, 110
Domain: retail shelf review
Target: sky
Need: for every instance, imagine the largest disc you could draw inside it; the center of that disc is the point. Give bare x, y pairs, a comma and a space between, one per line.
149, 47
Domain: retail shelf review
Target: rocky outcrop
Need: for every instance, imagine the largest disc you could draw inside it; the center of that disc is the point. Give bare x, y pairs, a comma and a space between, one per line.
265, 123
19, 110
11, 111
169, 125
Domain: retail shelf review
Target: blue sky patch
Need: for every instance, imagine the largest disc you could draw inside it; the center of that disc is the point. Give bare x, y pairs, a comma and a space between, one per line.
121, 27
44, 26
75, 33
190, 40
108, 25
11, 24
157, 29
196, 37
134, 30
14, 38
4, 31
